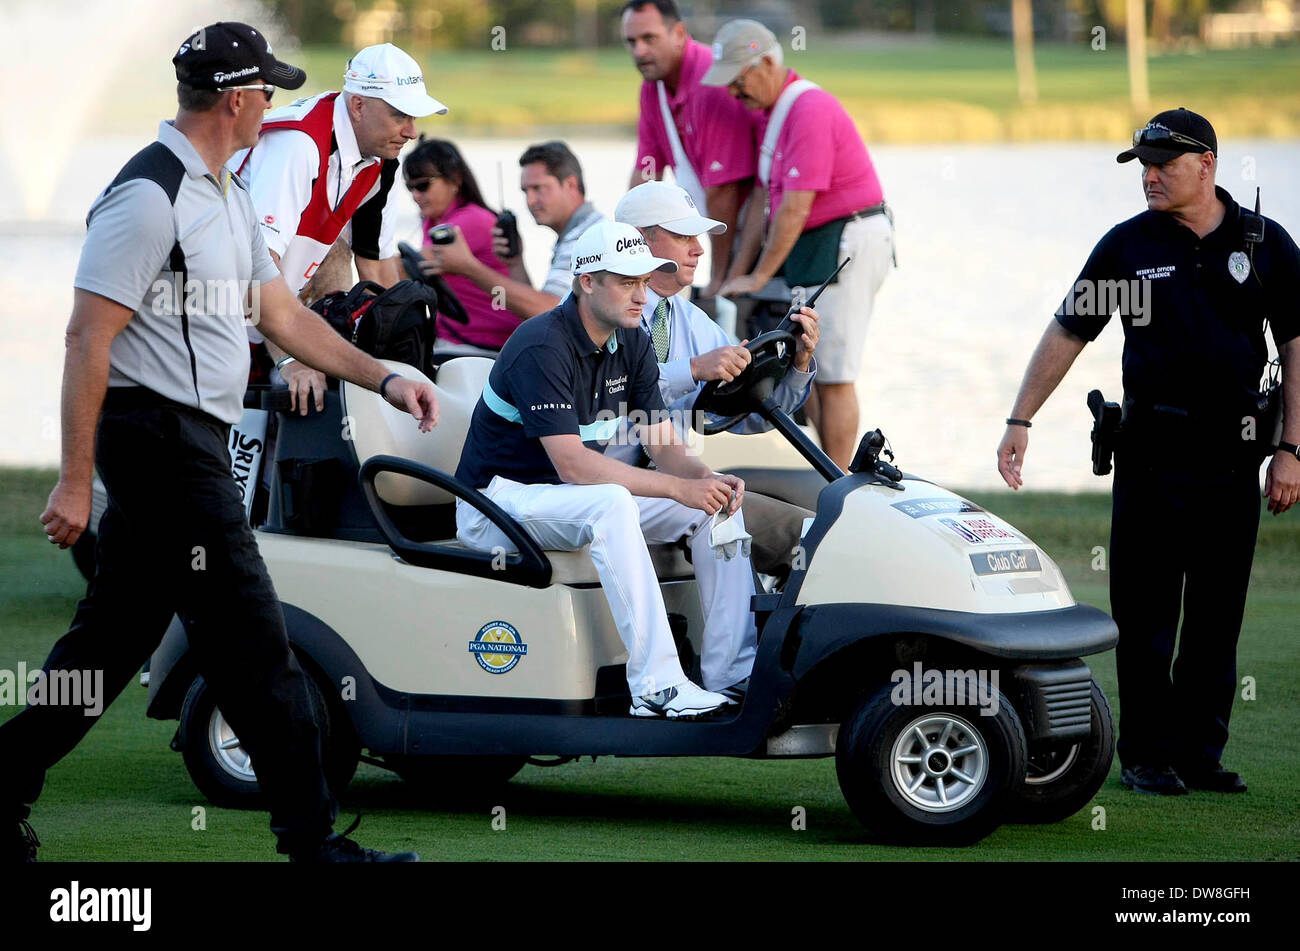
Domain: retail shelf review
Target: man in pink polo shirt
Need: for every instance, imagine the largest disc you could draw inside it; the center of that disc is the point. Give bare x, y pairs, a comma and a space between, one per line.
825, 204
710, 142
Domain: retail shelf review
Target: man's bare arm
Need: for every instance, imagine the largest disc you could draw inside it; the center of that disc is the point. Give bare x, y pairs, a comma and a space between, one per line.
723, 204
745, 250
787, 225
520, 298
385, 272
1282, 484
306, 385
95, 322
1054, 355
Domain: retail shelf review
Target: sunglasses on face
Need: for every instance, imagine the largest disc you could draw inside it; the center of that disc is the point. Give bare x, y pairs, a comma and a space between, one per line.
269, 90
1160, 137
421, 184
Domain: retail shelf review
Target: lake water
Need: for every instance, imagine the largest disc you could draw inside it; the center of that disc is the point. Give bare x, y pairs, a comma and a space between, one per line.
989, 238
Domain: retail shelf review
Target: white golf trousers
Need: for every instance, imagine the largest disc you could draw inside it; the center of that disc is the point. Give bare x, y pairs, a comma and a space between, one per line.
617, 526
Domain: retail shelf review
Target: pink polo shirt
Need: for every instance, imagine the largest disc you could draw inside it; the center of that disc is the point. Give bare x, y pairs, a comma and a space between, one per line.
487, 327
716, 131
819, 150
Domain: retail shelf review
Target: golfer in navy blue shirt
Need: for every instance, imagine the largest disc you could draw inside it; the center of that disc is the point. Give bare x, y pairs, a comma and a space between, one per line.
564, 386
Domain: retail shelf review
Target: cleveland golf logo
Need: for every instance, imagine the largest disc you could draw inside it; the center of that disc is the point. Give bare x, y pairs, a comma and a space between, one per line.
497, 647
76, 904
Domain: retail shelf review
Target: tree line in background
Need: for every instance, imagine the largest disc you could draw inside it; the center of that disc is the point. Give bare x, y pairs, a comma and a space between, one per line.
567, 23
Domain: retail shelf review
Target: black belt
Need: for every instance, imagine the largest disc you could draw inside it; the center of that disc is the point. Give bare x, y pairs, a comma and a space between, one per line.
1148, 415
880, 209
119, 399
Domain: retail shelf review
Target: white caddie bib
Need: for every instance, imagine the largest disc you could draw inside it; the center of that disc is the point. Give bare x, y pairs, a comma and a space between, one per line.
682, 170
774, 124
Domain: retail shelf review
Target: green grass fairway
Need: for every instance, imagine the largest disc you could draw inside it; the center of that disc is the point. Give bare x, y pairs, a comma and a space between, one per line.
898, 90
123, 795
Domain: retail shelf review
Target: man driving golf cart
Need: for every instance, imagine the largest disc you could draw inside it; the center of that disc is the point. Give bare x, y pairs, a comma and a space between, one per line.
563, 385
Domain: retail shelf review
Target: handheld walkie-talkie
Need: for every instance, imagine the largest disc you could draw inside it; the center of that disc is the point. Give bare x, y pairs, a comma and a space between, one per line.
1252, 225
506, 220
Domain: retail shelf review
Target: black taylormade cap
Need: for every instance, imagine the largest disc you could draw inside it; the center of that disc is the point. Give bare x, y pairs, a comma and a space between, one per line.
1169, 135
232, 54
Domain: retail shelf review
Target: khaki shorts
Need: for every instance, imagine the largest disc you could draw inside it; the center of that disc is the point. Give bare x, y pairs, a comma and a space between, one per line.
845, 307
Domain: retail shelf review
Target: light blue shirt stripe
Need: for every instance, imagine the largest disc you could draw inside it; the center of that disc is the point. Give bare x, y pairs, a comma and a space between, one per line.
598, 431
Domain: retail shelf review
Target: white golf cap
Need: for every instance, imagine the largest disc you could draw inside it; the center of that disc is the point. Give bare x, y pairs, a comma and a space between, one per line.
387, 73
668, 206
612, 246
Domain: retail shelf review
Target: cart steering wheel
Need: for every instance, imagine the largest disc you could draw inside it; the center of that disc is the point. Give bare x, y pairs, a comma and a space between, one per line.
771, 355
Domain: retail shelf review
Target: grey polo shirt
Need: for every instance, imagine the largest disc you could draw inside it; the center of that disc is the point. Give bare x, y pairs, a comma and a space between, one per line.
184, 251
559, 279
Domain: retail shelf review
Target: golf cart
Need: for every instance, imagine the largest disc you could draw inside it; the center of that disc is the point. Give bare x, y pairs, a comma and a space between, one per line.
455, 667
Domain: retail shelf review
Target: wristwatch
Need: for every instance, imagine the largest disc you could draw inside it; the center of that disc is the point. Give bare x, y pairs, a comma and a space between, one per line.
1290, 448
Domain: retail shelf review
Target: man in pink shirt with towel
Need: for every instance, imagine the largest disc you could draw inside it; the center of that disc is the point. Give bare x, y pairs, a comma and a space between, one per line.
826, 204
709, 142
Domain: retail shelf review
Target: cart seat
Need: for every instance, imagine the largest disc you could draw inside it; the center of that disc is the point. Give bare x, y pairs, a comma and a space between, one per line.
377, 428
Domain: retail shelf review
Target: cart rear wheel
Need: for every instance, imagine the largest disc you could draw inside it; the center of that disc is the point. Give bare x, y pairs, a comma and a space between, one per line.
222, 768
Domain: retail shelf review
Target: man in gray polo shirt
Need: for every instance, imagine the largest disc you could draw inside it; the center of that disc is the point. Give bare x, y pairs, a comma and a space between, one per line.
551, 179
157, 355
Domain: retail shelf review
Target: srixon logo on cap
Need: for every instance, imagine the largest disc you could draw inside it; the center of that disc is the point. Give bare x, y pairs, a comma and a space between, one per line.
586, 259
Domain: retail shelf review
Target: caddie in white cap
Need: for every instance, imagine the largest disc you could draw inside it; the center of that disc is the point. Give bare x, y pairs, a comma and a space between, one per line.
388, 73
566, 384
324, 167
692, 349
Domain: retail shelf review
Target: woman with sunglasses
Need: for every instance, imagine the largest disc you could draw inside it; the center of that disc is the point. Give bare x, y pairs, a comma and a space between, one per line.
446, 193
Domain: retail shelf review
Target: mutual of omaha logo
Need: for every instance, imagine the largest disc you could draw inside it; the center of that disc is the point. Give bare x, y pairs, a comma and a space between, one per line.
1239, 266
497, 647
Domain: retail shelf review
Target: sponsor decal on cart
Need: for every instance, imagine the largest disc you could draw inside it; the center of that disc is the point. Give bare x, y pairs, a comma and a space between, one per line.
920, 508
978, 531
1005, 562
497, 647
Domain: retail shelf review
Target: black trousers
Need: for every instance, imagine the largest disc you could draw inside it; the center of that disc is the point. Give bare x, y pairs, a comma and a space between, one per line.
174, 539
1183, 532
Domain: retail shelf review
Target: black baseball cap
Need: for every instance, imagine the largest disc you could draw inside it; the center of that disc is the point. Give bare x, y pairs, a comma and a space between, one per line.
232, 54
1170, 134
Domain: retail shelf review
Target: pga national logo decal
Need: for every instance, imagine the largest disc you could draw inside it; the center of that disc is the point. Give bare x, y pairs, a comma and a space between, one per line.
497, 647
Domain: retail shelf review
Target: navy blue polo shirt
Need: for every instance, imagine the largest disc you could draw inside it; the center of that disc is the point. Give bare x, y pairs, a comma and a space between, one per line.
552, 379
1192, 308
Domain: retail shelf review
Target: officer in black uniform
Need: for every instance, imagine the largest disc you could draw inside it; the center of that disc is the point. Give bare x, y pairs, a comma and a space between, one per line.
1193, 289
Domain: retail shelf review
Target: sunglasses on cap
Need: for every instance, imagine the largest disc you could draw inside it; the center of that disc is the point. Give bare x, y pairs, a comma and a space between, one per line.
1160, 137
269, 90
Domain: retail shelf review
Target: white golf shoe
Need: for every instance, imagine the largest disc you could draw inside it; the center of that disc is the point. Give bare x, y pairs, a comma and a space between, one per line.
684, 700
